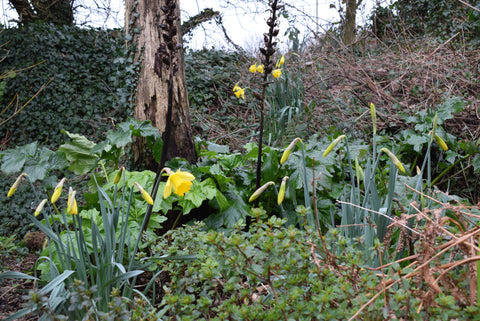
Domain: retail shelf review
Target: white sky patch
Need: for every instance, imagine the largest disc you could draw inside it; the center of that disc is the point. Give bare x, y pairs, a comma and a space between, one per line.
244, 20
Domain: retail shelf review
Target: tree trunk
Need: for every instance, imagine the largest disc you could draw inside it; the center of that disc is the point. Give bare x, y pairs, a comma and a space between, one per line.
156, 28
350, 24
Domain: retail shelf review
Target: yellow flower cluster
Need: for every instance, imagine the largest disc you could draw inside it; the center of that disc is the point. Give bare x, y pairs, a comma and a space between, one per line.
239, 91
254, 68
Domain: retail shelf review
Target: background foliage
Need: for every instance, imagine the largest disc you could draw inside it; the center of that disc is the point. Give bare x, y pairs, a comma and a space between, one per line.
92, 82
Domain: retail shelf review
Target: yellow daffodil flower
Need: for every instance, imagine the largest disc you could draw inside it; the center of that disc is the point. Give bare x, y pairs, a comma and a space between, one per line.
277, 73
57, 191
281, 193
240, 93
394, 159
145, 194
259, 191
15, 185
72, 207
40, 206
180, 182
253, 68
260, 69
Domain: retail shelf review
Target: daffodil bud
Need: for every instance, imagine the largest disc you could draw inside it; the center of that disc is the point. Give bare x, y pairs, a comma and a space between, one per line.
118, 176
281, 192
394, 159
57, 191
15, 185
145, 194
434, 127
72, 207
259, 191
373, 113
333, 144
359, 170
288, 150
40, 206
280, 62
441, 143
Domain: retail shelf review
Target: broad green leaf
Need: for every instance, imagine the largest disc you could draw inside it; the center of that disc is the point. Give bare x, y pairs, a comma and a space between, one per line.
77, 151
119, 138
12, 161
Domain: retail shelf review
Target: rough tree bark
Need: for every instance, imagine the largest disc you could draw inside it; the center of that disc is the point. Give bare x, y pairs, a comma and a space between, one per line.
157, 32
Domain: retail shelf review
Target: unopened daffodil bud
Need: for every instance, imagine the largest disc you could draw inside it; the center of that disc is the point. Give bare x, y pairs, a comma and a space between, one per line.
280, 62
394, 159
118, 176
40, 206
333, 144
15, 185
441, 143
288, 150
57, 191
72, 207
145, 194
281, 192
373, 113
259, 191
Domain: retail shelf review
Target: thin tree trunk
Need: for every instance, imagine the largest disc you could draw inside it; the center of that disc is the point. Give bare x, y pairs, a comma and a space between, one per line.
350, 23
156, 28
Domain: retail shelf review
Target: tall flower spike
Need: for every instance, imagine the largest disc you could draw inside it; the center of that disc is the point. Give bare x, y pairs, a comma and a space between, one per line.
259, 191
288, 150
40, 206
72, 207
57, 191
179, 182
394, 159
15, 185
333, 144
145, 194
281, 192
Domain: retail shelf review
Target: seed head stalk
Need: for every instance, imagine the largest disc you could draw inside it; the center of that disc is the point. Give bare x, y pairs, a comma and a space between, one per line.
267, 52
